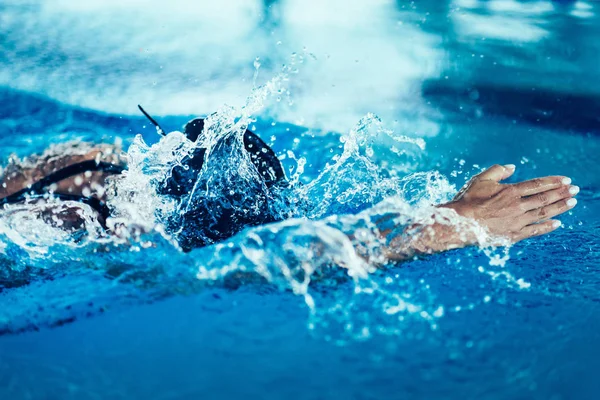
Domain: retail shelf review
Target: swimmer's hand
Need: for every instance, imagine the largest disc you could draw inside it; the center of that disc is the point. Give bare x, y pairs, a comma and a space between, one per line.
514, 211
511, 211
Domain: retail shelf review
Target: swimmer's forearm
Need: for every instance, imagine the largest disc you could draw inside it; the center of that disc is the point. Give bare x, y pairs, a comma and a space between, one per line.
393, 236
419, 239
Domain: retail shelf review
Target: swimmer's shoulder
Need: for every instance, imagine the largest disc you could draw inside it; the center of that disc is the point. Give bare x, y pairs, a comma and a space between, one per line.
21, 173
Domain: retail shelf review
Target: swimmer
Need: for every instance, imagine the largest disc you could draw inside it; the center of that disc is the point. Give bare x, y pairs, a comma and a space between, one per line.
512, 211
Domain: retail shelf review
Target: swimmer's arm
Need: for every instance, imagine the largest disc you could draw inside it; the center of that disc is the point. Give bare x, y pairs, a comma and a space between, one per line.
424, 239
19, 176
512, 211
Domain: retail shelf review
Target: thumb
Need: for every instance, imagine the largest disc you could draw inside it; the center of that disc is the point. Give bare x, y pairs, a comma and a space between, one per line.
497, 172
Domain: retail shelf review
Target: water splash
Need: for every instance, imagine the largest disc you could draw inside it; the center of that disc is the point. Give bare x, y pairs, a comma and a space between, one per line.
329, 231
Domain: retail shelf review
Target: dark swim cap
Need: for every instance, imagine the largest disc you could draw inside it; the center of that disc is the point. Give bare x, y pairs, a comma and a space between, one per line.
261, 155
210, 220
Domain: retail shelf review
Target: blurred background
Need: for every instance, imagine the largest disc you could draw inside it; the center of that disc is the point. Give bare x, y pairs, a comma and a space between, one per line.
397, 59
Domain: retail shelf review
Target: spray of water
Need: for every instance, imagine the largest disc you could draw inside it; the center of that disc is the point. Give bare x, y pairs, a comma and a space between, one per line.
329, 229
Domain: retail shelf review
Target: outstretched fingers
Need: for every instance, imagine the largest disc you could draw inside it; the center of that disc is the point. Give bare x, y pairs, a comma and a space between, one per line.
540, 185
548, 197
538, 220
537, 229
497, 172
549, 211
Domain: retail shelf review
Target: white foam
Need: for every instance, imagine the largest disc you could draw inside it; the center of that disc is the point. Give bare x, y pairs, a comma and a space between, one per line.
513, 6
498, 27
507, 20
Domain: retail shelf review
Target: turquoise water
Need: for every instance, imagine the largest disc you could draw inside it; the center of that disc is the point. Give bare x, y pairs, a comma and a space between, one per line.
481, 82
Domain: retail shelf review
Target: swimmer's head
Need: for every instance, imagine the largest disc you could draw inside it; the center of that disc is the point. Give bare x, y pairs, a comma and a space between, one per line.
227, 202
238, 204
262, 156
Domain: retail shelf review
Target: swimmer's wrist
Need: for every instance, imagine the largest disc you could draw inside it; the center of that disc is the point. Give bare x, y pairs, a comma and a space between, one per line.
427, 240
460, 237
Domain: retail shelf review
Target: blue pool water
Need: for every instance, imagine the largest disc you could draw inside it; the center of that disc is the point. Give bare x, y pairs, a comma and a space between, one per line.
480, 82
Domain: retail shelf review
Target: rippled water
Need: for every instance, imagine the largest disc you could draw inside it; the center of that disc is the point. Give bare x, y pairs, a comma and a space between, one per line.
456, 85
